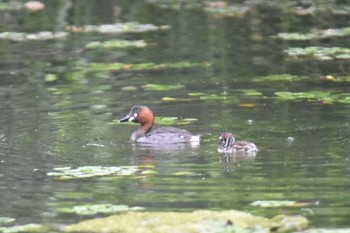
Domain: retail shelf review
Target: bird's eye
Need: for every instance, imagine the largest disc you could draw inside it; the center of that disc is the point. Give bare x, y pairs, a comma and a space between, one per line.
135, 114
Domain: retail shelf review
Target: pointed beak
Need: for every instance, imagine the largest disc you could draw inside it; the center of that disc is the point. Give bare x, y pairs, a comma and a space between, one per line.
126, 118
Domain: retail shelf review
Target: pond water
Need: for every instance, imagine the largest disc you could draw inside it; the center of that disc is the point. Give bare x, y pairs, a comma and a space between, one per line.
58, 111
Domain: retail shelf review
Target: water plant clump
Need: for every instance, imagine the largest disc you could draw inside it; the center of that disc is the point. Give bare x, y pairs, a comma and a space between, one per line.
319, 53
128, 27
314, 35
21, 36
68, 173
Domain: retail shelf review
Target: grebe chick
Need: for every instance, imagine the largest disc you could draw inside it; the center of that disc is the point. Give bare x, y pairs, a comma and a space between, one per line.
229, 145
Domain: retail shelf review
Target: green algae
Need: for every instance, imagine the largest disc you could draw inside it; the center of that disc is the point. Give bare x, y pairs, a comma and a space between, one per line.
280, 77
68, 173
113, 44
197, 221
319, 53
99, 209
160, 87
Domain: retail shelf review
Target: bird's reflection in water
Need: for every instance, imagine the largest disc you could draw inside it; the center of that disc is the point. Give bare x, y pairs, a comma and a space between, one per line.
229, 161
149, 154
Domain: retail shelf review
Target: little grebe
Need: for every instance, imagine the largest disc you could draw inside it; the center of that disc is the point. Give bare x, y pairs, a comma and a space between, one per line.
229, 145
162, 135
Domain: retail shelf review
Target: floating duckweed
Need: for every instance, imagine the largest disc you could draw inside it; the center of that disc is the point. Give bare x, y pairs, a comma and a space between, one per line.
68, 173
317, 34
319, 53
280, 77
21, 36
99, 209
277, 203
117, 44
117, 28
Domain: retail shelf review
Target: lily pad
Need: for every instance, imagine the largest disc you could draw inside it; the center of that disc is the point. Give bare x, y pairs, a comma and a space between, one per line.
5, 220
280, 77
276, 203
21, 36
25, 228
316, 34
197, 221
251, 92
111, 44
117, 28
320, 95
142, 66
160, 87
68, 173
319, 53
99, 209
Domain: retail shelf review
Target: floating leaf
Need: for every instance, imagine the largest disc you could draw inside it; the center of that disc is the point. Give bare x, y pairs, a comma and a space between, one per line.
111, 44
21, 36
276, 203
185, 173
319, 53
25, 228
117, 28
196, 221
160, 87
142, 66
99, 209
280, 77
304, 95
174, 120
250, 92
50, 77
68, 173
5, 220
316, 34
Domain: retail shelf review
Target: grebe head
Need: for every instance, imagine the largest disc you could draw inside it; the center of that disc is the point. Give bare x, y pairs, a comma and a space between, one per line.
227, 140
142, 115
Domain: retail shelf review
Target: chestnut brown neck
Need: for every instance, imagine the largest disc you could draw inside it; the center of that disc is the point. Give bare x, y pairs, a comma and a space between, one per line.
146, 119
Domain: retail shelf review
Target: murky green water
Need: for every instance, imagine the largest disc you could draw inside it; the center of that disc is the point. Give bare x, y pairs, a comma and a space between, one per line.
55, 112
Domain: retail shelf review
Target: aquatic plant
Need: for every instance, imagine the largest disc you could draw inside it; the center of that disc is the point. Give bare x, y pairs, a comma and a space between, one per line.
319, 53
111, 44
99, 209
21, 36
128, 27
68, 173
314, 35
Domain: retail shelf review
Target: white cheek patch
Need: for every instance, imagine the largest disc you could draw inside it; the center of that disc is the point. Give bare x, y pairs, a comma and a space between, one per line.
131, 118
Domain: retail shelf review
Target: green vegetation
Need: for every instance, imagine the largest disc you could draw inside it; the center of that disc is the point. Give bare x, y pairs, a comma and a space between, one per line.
197, 221
67, 173
113, 44
315, 35
319, 53
99, 209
